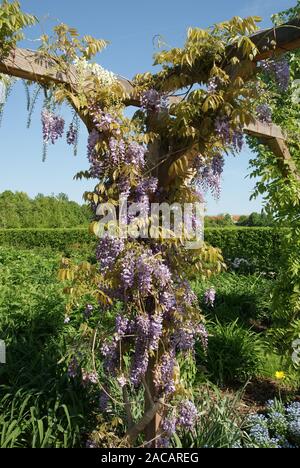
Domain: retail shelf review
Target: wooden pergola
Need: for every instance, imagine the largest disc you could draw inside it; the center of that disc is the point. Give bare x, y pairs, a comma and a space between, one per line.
29, 65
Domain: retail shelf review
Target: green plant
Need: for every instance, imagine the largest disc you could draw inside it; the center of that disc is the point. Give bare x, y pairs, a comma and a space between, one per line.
243, 297
234, 353
219, 424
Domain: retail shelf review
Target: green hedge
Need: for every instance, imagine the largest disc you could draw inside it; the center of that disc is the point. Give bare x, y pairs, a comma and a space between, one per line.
260, 246
59, 239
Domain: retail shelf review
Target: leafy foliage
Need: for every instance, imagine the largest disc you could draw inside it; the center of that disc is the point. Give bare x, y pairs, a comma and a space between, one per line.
282, 197
17, 210
12, 21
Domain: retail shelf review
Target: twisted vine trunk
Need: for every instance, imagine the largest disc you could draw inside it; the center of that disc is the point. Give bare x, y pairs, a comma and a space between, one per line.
152, 428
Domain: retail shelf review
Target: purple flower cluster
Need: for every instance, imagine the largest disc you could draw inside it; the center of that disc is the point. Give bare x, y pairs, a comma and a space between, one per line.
128, 269
217, 165
88, 311
73, 368
187, 415
237, 141
53, 126
111, 356
155, 332
223, 130
153, 101
210, 297
89, 378
164, 374
280, 69
264, 113
185, 337
168, 425
122, 326
72, 135
212, 85
229, 137
208, 177
144, 270
108, 250
141, 356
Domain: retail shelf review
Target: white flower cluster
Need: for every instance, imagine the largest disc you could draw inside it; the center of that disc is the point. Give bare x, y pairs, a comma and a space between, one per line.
106, 77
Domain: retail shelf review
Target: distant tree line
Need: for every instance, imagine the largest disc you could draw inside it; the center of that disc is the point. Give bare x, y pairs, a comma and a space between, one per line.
253, 220
18, 210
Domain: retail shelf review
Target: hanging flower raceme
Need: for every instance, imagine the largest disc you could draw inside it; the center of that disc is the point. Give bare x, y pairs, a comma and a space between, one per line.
280, 70
264, 113
53, 126
72, 135
153, 101
208, 174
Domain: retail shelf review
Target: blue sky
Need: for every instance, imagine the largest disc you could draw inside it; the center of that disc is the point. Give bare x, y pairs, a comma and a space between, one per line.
131, 27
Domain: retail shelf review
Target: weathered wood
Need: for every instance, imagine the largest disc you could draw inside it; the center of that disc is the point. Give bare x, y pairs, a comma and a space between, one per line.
27, 64
286, 37
272, 136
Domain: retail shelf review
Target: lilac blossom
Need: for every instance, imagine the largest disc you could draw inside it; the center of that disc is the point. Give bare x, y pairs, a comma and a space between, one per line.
264, 113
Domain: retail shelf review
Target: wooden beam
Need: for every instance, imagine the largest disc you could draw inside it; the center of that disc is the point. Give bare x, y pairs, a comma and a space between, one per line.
272, 136
286, 38
27, 64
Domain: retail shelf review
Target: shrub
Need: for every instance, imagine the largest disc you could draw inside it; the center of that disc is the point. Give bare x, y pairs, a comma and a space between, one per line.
237, 296
261, 247
219, 423
58, 239
233, 353
278, 428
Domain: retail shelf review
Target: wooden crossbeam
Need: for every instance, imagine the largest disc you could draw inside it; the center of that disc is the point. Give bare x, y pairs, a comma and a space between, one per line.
285, 38
272, 136
28, 65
